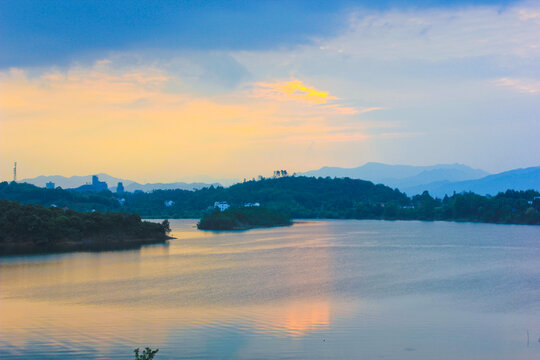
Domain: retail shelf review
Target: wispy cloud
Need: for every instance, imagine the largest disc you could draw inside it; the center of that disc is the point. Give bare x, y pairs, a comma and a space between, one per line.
344, 110
527, 86
445, 33
370, 109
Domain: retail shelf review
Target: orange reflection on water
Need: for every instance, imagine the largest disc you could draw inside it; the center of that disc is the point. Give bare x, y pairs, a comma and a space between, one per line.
303, 317
294, 318
97, 325
141, 296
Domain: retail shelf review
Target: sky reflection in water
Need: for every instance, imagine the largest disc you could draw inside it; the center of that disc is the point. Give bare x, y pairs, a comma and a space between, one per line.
330, 289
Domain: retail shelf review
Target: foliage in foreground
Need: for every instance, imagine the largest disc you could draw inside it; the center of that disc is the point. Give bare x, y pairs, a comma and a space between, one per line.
243, 218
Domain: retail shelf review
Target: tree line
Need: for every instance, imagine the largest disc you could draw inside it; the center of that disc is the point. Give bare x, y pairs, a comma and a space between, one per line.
298, 197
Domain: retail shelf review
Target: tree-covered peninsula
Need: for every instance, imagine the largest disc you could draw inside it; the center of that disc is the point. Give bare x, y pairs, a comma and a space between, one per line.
243, 219
36, 229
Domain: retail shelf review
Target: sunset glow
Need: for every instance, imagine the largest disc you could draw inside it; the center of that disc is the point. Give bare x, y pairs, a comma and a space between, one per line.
333, 98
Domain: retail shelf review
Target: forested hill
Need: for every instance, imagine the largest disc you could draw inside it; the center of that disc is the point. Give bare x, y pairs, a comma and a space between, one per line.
299, 197
313, 197
30, 194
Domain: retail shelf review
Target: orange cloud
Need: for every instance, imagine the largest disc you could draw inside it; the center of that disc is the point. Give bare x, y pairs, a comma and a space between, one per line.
296, 90
292, 90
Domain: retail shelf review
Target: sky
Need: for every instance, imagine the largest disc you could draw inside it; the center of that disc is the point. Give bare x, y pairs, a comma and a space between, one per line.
159, 91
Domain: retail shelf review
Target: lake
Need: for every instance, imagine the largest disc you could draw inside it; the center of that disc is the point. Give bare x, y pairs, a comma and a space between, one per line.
317, 290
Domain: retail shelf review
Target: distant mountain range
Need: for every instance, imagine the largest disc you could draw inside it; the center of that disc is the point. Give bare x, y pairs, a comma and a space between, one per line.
129, 185
518, 179
402, 176
438, 179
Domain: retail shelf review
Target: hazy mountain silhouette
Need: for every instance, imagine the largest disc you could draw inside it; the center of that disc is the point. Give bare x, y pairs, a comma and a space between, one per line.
402, 176
438, 179
518, 179
129, 185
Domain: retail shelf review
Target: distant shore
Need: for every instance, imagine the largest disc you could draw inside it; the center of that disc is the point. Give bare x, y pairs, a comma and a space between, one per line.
297, 196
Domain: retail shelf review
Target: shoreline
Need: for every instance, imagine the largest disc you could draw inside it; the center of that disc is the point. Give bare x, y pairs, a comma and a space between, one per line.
88, 245
246, 228
300, 220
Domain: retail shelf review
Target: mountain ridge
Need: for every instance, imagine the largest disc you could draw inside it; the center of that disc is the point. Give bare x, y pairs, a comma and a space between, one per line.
75, 181
516, 179
439, 179
402, 175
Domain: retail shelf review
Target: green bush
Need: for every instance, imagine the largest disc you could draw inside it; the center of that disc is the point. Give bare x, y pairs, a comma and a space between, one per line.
147, 354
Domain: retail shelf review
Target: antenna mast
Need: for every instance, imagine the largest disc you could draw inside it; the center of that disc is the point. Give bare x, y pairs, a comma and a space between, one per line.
15, 171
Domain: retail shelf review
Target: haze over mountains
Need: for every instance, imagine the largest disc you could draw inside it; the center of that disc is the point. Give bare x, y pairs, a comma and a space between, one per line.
403, 176
439, 180
518, 179
129, 185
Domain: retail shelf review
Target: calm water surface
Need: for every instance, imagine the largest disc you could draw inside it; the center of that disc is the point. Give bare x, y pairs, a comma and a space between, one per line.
318, 289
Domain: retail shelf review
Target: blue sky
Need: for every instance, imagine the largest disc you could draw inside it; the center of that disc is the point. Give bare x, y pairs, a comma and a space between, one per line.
266, 84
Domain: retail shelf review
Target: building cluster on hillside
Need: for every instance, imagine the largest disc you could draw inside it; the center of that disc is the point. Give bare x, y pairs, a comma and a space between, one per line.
95, 186
223, 205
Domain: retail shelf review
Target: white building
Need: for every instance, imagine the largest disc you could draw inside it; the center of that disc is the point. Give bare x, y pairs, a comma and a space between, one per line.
221, 205
169, 203
252, 204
